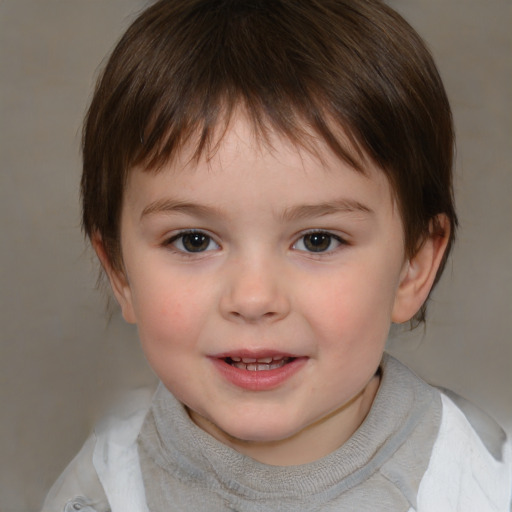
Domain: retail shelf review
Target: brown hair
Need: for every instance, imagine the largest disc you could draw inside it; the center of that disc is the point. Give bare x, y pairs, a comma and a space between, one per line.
329, 67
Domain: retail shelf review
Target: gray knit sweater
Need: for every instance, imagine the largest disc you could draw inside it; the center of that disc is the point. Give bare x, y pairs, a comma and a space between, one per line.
415, 451
185, 469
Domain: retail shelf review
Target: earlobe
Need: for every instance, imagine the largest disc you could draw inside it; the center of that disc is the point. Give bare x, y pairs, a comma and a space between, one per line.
419, 273
118, 280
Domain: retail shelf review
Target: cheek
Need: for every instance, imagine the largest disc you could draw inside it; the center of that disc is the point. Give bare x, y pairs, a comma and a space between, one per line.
354, 306
169, 312
170, 323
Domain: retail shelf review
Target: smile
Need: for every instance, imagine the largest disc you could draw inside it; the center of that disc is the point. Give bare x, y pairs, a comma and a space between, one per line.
258, 372
256, 365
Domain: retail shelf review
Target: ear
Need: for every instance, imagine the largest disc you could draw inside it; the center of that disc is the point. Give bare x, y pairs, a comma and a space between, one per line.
419, 273
117, 278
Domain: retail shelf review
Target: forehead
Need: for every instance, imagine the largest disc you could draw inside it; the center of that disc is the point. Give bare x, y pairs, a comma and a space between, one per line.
236, 134
241, 163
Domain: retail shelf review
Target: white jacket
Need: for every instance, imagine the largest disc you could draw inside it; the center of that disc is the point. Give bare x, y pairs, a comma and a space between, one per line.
462, 475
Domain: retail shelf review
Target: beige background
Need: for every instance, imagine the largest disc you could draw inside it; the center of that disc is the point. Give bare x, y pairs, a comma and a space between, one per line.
58, 352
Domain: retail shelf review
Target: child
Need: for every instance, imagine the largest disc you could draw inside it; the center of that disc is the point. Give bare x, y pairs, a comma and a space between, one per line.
267, 184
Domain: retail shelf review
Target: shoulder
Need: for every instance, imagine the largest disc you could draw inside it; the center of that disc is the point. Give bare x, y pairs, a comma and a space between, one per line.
490, 433
78, 487
106, 470
470, 468
116, 458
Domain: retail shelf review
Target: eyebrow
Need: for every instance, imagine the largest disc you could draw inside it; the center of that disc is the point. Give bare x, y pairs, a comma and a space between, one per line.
290, 214
176, 206
328, 208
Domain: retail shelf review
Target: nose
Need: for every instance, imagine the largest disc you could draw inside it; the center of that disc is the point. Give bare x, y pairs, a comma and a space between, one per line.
255, 292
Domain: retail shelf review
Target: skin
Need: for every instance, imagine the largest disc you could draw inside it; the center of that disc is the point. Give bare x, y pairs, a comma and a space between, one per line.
256, 288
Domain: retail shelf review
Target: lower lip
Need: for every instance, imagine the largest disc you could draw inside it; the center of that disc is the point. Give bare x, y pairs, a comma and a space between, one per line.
260, 380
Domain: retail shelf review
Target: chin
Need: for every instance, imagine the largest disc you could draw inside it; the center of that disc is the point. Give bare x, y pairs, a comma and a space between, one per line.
258, 431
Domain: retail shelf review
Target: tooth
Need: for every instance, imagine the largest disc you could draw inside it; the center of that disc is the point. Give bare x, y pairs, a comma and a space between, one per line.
254, 365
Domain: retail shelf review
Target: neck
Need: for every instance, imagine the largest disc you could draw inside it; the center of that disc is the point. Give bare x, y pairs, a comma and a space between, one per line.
317, 440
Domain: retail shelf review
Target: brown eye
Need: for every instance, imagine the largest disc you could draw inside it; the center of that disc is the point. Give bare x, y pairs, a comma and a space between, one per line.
193, 242
196, 242
318, 241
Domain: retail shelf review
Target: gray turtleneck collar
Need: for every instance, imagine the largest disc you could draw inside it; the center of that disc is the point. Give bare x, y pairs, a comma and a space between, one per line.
382, 463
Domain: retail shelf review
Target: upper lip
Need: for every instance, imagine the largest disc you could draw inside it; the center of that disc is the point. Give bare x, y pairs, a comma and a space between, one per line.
257, 355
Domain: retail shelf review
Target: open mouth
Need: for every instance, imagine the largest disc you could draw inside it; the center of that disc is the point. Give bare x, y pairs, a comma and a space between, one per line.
261, 364
263, 371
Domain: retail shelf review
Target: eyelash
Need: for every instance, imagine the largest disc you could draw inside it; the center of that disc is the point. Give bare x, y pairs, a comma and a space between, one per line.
174, 240
331, 238
323, 237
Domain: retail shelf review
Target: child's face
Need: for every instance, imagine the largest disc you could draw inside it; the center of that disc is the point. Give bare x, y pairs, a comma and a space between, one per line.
270, 260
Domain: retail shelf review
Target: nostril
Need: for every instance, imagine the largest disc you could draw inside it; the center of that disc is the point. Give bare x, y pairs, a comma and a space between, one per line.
249, 301
248, 312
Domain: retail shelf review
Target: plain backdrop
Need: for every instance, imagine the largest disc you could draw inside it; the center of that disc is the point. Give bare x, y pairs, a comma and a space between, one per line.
60, 355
